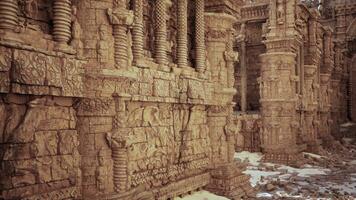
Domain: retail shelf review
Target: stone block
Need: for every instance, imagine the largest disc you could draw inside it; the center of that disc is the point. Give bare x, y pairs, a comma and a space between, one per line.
161, 88
68, 141
43, 167
18, 152
53, 124
46, 143
146, 89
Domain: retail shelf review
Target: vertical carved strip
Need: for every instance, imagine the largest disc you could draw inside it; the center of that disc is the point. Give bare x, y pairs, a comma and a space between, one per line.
119, 156
182, 40
200, 36
120, 46
62, 21
8, 14
161, 31
137, 32
243, 72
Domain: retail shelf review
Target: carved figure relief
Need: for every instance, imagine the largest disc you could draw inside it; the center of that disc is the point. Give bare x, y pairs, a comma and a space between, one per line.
280, 11
102, 174
76, 33
103, 47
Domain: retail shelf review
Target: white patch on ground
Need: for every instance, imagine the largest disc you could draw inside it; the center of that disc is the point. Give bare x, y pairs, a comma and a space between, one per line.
202, 195
253, 158
353, 162
257, 174
313, 155
306, 171
264, 195
348, 124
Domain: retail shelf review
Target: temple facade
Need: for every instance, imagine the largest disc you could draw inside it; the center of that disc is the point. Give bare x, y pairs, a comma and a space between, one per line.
150, 99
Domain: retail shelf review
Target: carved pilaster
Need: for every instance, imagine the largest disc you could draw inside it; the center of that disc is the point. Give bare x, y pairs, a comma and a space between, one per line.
199, 36
161, 31
243, 72
8, 14
117, 142
121, 19
137, 32
62, 13
182, 40
230, 57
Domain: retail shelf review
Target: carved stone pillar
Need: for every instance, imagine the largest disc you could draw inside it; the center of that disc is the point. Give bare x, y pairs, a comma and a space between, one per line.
279, 133
278, 86
199, 36
120, 18
310, 108
8, 14
243, 70
230, 57
161, 31
325, 91
137, 32
182, 38
62, 14
117, 142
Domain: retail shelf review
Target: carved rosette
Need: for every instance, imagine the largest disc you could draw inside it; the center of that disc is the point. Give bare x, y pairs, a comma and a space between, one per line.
62, 21
137, 31
182, 41
8, 14
199, 36
120, 19
161, 31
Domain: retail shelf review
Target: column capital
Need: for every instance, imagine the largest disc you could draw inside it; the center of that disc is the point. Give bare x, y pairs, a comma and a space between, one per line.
167, 3
120, 16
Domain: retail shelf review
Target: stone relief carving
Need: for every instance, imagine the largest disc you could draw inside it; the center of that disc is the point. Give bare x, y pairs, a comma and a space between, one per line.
280, 11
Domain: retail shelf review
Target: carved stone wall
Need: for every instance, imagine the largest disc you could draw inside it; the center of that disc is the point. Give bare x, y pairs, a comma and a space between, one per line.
39, 148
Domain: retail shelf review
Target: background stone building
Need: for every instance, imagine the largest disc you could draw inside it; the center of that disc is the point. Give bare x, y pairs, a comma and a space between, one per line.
142, 99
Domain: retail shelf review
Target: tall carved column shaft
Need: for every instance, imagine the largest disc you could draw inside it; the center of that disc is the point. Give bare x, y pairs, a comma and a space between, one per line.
182, 40
62, 21
277, 84
199, 36
161, 31
243, 72
8, 14
137, 31
120, 18
278, 106
120, 46
117, 141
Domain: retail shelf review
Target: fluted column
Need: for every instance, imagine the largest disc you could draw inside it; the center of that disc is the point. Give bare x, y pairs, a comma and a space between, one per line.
137, 32
182, 41
8, 14
161, 31
199, 36
120, 18
62, 21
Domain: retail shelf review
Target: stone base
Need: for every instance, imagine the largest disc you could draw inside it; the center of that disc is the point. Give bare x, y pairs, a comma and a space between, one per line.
314, 146
10, 36
228, 181
65, 48
182, 187
283, 158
